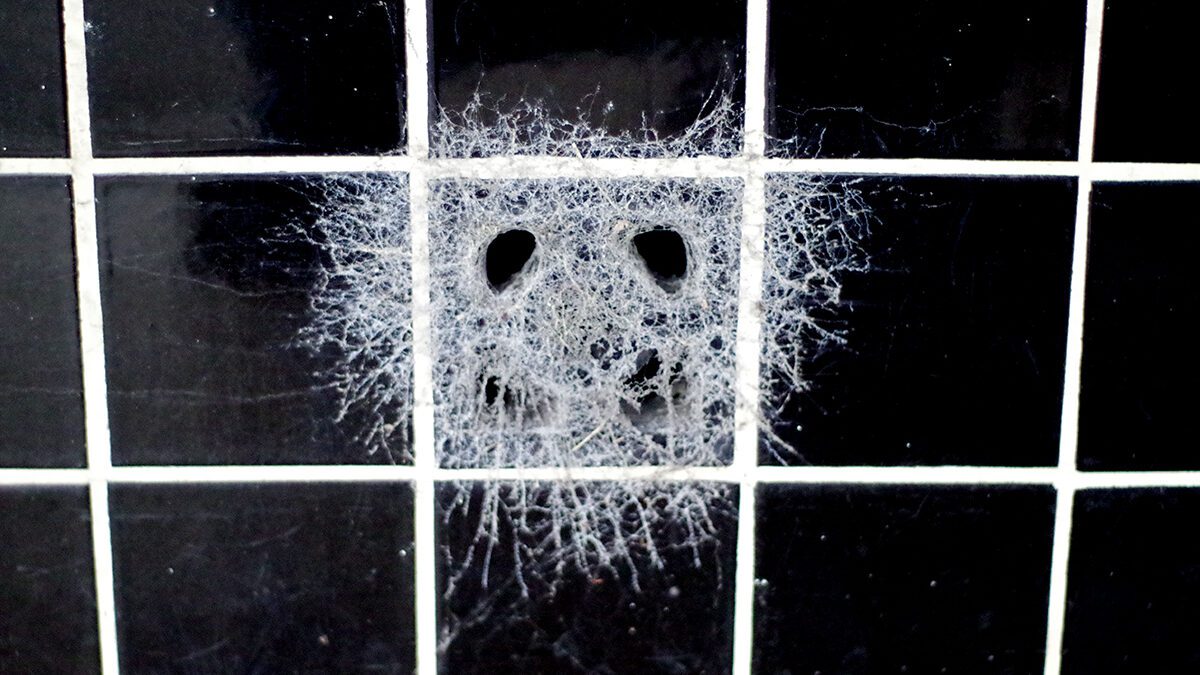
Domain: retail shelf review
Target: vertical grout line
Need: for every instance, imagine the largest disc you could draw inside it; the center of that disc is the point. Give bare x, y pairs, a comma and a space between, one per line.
91, 327
416, 40
749, 328
1068, 479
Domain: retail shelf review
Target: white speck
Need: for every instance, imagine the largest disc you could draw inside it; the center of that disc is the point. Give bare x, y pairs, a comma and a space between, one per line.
673, 592
212, 11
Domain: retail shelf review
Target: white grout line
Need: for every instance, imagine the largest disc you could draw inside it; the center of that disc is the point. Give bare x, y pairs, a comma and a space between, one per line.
416, 40
91, 327
749, 329
797, 475
34, 166
1069, 477
24, 477
575, 167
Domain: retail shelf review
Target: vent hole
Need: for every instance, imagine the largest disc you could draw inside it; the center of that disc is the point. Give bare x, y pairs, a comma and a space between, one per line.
665, 256
507, 256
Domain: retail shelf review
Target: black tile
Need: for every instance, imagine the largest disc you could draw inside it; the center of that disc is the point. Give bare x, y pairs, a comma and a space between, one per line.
208, 288
636, 617
289, 77
1133, 595
47, 592
41, 400
1139, 362
926, 78
1147, 107
625, 63
32, 105
264, 578
883, 579
955, 335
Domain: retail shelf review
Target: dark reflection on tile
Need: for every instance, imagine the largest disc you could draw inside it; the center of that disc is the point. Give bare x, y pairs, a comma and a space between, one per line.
926, 78
678, 620
885, 579
32, 107
264, 578
47, 592
1140, 364
625, 63
286, 77
1133, 595
41, 401
1147, 106
955, 336
207, 286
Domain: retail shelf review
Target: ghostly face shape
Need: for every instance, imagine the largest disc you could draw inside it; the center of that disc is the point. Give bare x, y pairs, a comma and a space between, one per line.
584, 322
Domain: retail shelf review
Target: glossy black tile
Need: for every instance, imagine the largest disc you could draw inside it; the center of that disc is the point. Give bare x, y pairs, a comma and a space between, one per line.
623, 63
41, 400
285, 77
887, 579
1147, 107
639, 618
47, 592
273, 578
207, 289
926, 78
1139, 360
955, 335
1133, 595
32, 106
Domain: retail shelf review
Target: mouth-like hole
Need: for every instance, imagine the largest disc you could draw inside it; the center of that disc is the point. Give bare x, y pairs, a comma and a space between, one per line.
665, 255
651, 395
508, 255
512, 403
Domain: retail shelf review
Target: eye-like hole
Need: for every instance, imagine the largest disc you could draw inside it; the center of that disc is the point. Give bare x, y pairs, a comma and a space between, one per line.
507, 256
665, 256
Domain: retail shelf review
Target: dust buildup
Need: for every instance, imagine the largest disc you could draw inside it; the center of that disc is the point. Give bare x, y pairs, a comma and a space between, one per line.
815, 227
583, 357
499, 128
361, 308
586, 341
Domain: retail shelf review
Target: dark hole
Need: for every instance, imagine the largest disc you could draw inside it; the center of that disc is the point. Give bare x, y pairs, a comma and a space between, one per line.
665, 256
651, 403
507, 255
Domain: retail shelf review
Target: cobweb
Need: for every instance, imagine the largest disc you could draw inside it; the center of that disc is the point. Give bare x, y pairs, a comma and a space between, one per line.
596, 348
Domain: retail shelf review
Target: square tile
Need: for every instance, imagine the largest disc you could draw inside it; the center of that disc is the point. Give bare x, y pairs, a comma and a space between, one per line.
41, 397
271, 77
32, 104
926, 78
893, 579
952, 337
630, 614
1146, 107
584, 322
231, 310
625, 65
47, 590
1134, 583
1139, 360
293, 577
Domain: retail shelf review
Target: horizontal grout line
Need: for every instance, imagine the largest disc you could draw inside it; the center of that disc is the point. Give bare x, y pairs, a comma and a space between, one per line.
575, 167
949, 475
800, 475
43, 476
